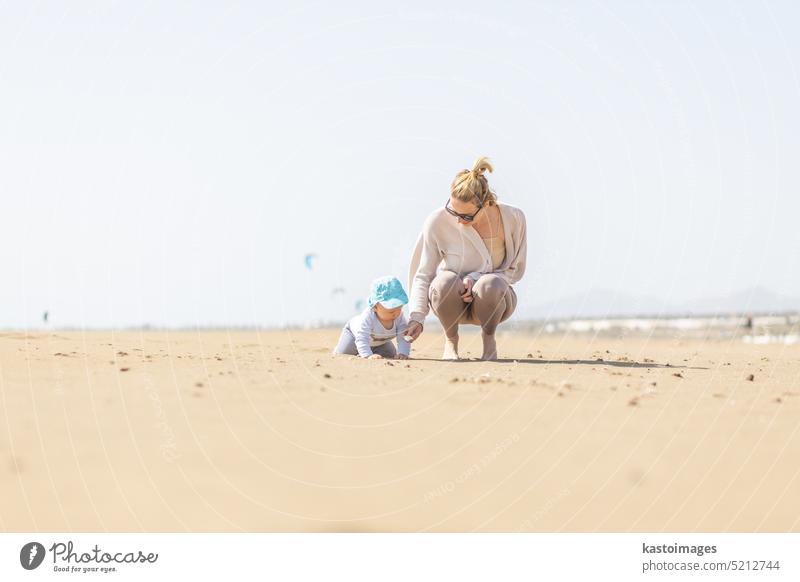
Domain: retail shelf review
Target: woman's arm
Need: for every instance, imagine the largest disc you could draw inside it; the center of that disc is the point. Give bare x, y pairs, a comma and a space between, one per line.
516, 268
430, 257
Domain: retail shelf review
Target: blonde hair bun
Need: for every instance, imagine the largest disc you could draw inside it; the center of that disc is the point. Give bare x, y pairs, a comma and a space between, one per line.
480, 166
471, 184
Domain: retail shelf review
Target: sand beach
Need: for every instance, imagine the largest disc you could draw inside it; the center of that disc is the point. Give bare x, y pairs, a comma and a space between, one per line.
254, 431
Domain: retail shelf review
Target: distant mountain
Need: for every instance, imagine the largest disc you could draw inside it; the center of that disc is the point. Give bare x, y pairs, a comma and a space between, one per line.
597, 303
602, 303
755, 300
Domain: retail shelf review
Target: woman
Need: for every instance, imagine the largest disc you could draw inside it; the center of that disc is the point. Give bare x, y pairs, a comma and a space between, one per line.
467, 258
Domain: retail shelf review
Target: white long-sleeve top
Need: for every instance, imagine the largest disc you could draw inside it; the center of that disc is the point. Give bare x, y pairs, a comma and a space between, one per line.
369, 332
444, 244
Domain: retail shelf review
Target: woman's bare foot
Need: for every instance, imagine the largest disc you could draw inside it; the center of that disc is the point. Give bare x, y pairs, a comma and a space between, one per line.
489, 347
450, 349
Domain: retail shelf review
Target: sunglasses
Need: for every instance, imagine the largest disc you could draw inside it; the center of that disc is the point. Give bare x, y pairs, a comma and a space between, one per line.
465, 217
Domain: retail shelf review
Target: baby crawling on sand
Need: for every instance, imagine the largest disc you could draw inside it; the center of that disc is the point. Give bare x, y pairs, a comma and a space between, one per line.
369, 334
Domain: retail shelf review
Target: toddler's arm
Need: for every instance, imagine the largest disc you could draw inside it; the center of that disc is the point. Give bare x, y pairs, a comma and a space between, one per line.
362, 333
403, 347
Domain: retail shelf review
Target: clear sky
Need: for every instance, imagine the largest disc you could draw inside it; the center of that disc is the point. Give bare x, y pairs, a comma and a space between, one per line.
171, 163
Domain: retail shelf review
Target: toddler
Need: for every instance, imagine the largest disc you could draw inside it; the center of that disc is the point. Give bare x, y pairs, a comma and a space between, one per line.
369, 334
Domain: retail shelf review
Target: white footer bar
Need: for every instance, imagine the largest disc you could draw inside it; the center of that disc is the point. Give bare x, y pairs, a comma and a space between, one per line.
388, 557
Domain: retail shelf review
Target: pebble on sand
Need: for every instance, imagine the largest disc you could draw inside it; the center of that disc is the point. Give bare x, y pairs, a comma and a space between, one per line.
750, 378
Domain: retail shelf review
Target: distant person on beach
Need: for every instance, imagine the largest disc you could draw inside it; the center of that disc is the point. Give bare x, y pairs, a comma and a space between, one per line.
467, 257
370, 333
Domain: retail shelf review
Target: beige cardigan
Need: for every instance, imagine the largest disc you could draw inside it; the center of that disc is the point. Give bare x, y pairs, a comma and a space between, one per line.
445, 245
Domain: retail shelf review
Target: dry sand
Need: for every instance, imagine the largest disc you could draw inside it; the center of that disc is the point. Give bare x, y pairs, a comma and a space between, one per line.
254, 431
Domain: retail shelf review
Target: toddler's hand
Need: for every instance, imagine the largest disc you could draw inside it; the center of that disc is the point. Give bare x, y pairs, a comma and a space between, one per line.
375, 357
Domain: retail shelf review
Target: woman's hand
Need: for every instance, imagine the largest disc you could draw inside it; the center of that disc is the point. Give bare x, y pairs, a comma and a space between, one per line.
402, 357
375, 357
413, 331
467, 294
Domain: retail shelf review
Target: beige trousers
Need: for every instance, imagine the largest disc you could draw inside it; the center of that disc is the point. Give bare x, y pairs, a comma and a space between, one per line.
493, 301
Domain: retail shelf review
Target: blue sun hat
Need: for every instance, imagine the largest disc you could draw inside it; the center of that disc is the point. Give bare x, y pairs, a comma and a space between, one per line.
388, 291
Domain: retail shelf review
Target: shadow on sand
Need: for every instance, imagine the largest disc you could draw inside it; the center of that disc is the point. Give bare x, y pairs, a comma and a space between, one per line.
614, 363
